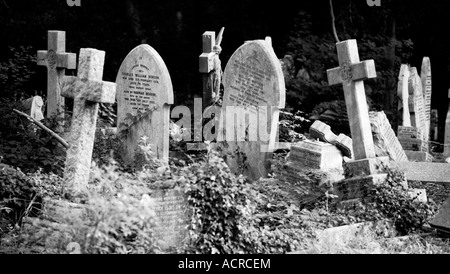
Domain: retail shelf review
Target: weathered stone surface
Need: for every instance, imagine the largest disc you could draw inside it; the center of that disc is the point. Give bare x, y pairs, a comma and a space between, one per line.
356, 187
343, 235
366, 167
413, 144
441, 221
425, 172
254, 92
351, 75
403, 96
87, 90
172, 217
419, 156
386, 143
316, 154
416, 103
56, 60
420, 195
322, 131
425, 76
144, 86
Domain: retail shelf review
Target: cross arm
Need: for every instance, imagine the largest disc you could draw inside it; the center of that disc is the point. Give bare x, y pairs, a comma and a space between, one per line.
92, 90
63, 60
206, 59
358, 72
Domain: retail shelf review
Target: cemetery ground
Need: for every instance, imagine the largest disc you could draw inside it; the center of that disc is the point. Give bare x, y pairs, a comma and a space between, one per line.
228, 213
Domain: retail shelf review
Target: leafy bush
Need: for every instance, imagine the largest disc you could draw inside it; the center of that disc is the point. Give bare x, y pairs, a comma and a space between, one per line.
393, 201
26, 146
17, 194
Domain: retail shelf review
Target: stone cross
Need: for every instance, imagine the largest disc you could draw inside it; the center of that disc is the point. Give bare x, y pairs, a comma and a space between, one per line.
210, 66
87, 90
351, 75
56, 60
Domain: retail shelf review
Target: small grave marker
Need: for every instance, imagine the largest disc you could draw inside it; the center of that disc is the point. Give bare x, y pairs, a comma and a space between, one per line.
56, 60
87, 90
33, 107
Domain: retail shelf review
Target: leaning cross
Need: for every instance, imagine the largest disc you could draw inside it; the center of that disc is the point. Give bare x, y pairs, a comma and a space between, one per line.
56, 60
351, 75
87, 90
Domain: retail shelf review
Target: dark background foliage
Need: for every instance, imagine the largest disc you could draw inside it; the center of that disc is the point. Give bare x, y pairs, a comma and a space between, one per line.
397, 32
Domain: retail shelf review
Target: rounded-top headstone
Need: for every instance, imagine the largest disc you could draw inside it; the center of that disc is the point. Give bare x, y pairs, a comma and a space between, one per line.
253, 76
143, 81
144, 88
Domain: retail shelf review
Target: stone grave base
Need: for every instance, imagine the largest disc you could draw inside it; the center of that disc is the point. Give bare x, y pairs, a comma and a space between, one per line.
357, 187
418, 156
365, 167
441, 221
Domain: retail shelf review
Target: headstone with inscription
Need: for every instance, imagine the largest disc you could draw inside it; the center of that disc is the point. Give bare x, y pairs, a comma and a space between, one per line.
417, 103
425, 76
87, 90
254, 92
144, 96
386, 143
172, 217
56, 60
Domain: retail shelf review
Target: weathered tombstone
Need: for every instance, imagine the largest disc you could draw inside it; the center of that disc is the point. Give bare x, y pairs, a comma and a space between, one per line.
415, 147
33, 107
172, 217
87, 90
366, 168
144, 96
386, 143
447, 131
56, 60
416, 103
254, 92
425, 76
403, 96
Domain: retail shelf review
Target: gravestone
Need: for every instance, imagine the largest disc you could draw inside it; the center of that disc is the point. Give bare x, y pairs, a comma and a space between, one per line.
254, 91
56, 60
144, 89
447, 131
172, 217
87, 90
33, 107
366, 168
386, 143
417, 103
403, 96
316, 155
425, 76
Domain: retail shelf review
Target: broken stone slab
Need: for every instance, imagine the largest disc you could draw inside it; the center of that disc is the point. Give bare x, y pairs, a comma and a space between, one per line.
322, 131
366, 166
419, 156
420, 195
316, 155
357, 187
441, 222
345, 234
424, 171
